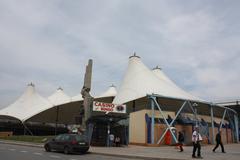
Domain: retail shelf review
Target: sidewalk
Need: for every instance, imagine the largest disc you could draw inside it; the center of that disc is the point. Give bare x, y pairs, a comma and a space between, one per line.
170, 152
157, 153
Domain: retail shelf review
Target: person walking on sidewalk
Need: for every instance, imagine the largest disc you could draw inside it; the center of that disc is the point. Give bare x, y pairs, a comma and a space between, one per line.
219, 141
180, 140
196, 139
117, 141
111, 139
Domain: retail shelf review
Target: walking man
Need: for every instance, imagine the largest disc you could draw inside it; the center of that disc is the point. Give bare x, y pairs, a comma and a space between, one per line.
180, 140
196, 139
219, 141
111, 138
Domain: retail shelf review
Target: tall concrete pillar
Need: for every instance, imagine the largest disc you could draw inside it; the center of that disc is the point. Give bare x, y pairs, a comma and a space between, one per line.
87, 98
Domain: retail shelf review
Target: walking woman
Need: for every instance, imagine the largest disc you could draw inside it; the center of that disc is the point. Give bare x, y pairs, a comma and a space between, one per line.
180, 140
219, 141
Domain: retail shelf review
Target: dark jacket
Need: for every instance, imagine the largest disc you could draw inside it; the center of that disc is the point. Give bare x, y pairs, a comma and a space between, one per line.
218, 138
180, 137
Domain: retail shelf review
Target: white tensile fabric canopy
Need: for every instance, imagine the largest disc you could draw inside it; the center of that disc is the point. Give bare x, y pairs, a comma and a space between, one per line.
64, 110
77, 98
165, 80
139, 81
111, 92
59, 97
28, 105
162, 76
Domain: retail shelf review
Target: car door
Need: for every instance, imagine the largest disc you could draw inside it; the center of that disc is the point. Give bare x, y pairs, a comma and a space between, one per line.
64, 141
55, 142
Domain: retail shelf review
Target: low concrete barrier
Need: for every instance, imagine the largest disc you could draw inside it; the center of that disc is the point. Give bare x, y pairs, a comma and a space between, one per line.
6, 134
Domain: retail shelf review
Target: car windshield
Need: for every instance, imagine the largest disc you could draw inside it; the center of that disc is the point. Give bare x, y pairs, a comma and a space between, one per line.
81, 138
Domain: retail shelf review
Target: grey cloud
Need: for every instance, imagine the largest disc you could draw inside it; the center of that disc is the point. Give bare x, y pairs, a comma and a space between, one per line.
49, 42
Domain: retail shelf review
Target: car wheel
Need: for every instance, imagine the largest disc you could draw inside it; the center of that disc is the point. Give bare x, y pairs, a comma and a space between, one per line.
47, 148
66, 150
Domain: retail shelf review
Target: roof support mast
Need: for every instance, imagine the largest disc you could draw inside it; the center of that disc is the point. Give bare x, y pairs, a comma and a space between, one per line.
212, 121
170, 125
236, 128
152, 120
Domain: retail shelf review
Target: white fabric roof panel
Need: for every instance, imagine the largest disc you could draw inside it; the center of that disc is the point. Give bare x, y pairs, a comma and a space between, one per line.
111, 92
29, 104
139, 81
162, 76
77, 98
59, 98
166, 81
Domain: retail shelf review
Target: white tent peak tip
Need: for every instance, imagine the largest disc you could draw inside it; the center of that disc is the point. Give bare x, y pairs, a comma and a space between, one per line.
157, 67
60, 89
31, 84
134, 56
113, 86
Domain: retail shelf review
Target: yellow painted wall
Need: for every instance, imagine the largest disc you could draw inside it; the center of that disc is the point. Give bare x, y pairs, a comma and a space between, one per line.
138, 132
137, 125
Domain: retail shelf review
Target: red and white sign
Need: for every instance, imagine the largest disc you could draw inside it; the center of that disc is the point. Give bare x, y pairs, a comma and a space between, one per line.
108, 107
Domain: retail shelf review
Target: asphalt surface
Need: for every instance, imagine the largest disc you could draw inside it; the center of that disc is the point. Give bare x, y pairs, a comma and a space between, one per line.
24, 150
18, 152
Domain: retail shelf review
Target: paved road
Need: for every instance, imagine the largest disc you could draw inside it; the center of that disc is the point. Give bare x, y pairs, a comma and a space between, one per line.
16, 152
9, 150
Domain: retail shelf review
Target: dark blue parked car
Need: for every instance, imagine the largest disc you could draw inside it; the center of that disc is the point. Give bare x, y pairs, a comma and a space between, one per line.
68, 143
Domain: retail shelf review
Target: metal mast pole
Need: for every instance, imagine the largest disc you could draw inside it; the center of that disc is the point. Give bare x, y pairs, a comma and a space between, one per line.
153, 122
236, 127
213, 128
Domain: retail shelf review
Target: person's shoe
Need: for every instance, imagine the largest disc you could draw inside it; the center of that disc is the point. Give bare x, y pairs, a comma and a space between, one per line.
223, 152
194, 157
213, 150
200, 157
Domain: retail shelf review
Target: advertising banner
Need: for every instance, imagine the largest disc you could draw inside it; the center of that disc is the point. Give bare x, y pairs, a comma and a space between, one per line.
108, 107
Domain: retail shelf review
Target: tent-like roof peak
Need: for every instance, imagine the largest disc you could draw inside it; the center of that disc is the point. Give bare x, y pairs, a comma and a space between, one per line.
111, 92
29, 90
59, 97
134, 56
157, 68
31, 84
112, 85
60, 88
165, 79
27, 105
139, 81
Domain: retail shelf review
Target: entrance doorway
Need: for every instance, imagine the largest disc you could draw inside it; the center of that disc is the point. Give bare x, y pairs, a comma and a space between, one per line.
104, 126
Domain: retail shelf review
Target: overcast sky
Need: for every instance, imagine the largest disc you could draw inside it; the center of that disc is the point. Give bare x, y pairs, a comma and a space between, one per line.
196, 42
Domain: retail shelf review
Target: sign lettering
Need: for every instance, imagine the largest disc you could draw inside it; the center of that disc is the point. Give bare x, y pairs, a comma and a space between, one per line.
108, 107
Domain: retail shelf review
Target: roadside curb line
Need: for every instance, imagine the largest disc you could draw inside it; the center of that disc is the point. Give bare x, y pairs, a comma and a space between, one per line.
133, 156
21, 143
90, 152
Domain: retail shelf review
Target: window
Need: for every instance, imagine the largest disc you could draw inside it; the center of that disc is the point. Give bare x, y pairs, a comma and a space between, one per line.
58, 138
66, 138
